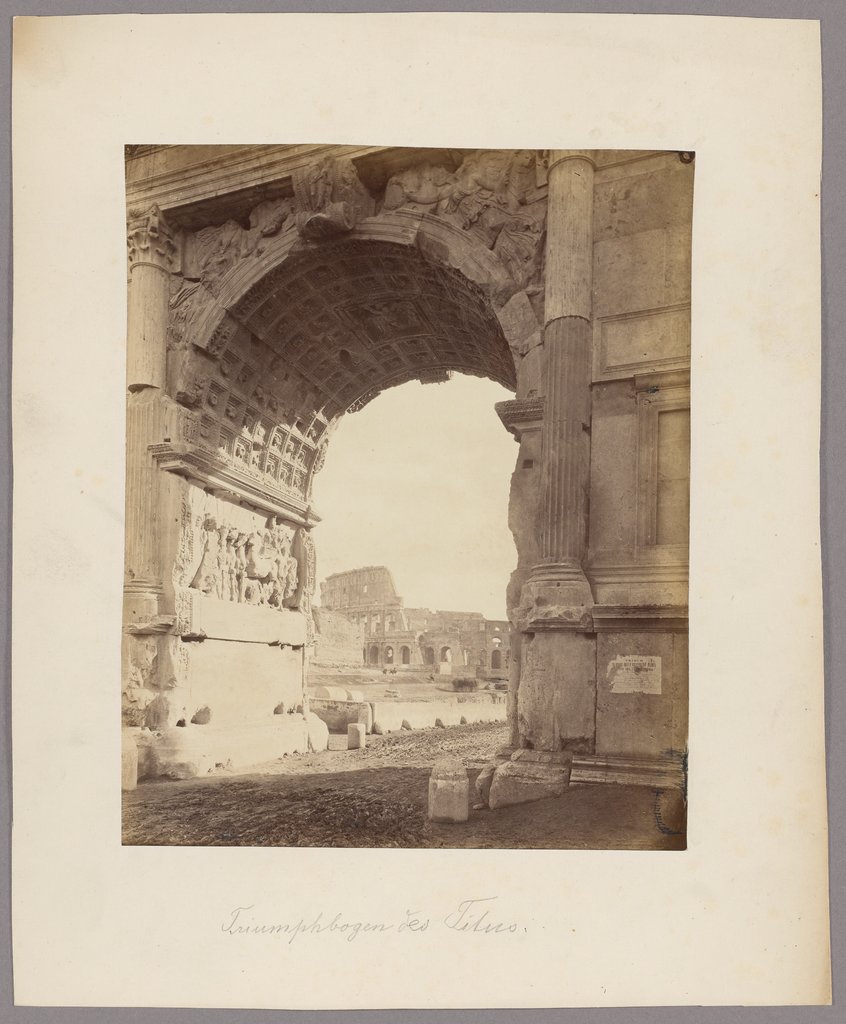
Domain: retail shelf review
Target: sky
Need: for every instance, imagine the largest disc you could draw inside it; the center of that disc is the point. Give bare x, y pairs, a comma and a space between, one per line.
418, 481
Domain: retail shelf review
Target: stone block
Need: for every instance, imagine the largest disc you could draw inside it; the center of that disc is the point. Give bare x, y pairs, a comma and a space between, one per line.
318, 732
519, 782
128, 760
483, 784
228, 620
552, 757
180, 755
365, 717
330, 693
449, 792
356, 736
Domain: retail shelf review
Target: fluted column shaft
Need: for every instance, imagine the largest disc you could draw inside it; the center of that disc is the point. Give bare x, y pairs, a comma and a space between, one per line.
567, 344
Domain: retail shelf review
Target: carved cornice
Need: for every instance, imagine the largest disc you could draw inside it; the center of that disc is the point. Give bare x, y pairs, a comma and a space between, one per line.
634, 572
149, 239
229, 481
640, 618
521, 414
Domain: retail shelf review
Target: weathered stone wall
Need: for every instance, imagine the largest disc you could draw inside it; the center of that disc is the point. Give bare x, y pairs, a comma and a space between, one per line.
640, 453
338, 640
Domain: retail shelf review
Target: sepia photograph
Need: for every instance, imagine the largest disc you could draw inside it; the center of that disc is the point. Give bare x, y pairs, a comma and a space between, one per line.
407, 497
417, 553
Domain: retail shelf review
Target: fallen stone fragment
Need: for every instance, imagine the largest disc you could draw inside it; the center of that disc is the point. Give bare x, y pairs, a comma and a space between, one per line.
449, 792
518, 782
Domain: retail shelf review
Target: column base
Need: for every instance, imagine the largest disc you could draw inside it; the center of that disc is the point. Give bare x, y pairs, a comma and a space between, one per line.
557, 596
141, 602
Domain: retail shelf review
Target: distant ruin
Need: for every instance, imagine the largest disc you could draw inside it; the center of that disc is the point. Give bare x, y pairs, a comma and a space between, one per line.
363, 621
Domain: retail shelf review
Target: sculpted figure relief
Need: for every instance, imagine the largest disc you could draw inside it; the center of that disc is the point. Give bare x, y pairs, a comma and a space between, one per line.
330, 199
255, 568
490, 196
417, 188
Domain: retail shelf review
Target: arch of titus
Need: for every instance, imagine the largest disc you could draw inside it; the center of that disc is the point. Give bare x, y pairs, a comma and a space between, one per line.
274, 289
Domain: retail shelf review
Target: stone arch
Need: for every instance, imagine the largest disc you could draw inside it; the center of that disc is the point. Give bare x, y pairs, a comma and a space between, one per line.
373, 655
294, 339
405, 655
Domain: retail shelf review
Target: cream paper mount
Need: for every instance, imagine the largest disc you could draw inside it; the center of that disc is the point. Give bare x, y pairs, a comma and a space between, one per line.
741, 916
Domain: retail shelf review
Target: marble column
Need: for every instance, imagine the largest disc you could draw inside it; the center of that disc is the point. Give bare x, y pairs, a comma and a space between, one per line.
561, 590
151, 252
556, 699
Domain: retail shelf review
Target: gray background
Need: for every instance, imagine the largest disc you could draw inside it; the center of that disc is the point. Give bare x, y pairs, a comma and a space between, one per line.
832, 15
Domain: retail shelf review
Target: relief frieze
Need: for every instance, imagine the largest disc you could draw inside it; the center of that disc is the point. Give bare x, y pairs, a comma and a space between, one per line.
255, 567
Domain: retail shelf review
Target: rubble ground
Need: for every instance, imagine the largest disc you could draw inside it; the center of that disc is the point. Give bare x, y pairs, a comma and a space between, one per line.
377, 797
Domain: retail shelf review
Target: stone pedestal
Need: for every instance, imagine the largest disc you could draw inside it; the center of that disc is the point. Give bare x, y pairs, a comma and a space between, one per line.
449, 792
356, 736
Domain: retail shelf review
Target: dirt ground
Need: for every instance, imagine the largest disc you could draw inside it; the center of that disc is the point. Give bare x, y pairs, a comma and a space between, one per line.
377, 797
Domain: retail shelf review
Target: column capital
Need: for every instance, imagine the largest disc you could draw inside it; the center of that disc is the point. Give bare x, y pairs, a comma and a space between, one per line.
560, 156
150, 240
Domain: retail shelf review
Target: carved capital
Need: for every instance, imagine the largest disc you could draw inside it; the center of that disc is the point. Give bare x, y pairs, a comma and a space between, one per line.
150, 240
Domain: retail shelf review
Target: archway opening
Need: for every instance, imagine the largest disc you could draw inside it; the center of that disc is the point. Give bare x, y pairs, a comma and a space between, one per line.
304, 351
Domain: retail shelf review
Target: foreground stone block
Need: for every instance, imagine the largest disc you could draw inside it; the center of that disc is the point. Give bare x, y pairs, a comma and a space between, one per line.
356, 736
179, 753
318, 733
519, 782
128, 761
449, 792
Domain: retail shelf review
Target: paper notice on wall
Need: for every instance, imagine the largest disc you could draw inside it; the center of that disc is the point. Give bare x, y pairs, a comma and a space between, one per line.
635, 673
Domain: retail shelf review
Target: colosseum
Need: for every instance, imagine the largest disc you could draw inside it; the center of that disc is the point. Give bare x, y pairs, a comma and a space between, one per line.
397, 638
